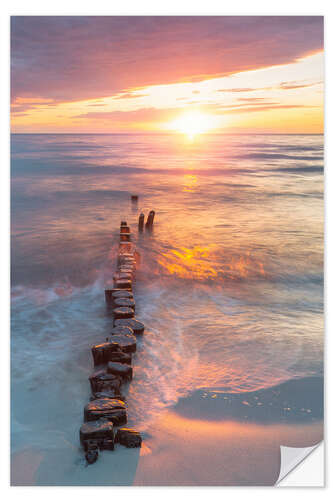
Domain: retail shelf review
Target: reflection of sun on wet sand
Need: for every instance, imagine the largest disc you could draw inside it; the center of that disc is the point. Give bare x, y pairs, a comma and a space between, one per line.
198, 452
177, 451
224, 442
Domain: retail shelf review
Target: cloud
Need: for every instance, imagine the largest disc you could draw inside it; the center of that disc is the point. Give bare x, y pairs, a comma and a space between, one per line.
240, 90
257, 109
297, 85
77, 58
252, 99
282, 85
129, 95
23, 105
97, 105
139, 115
245, 105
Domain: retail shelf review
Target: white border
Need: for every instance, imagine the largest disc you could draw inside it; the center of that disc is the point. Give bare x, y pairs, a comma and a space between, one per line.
134, 7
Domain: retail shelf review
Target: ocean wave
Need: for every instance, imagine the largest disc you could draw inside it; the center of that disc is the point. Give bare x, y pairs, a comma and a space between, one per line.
299, 400
300, 169
277, 156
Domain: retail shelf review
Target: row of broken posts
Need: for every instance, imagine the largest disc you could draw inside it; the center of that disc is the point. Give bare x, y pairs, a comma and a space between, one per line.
107, 408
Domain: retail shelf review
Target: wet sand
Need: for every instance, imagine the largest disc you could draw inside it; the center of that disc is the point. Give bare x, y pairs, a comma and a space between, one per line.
193, 452
67, 467
208, 438
232, 439
178, 451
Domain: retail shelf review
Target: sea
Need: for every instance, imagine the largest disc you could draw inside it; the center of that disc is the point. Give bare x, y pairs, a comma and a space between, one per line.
229, 285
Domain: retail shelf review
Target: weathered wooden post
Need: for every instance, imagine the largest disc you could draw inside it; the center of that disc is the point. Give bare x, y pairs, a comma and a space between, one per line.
141, 222
125, 236
123, 313
128, 437
150, 220
124, 246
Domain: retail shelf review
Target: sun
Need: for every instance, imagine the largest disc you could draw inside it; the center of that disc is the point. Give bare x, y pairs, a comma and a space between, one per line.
193, 123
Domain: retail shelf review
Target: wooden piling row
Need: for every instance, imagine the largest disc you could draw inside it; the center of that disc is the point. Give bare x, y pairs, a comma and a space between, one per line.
112, 359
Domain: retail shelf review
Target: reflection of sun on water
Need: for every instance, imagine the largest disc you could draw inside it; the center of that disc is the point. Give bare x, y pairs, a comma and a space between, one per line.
190, 183
190, 263
193, 123
202, 263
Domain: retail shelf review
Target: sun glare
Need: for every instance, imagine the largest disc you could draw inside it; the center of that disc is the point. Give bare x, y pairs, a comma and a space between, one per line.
193, 124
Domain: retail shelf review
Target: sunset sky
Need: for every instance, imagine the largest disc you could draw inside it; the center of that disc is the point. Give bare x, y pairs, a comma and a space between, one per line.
167, 74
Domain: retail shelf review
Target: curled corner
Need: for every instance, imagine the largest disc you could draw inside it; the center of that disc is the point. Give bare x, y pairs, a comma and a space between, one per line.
291, 457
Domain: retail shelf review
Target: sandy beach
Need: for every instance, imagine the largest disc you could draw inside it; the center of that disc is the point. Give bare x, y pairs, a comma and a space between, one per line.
205, 439
209, 453
179, 452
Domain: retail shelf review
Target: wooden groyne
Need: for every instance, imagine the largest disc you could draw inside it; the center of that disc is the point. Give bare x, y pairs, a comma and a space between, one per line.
113, 359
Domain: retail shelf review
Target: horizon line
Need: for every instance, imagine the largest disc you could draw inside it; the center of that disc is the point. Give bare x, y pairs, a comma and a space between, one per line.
166, 133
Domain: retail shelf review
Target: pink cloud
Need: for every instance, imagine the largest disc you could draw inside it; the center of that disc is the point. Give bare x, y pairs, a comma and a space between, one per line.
264, 107
297, 85
129, 95
139, 115
74, 58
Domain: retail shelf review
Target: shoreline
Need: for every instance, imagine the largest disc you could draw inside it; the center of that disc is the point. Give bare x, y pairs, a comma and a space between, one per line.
194, 443
178, 452
187, 452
